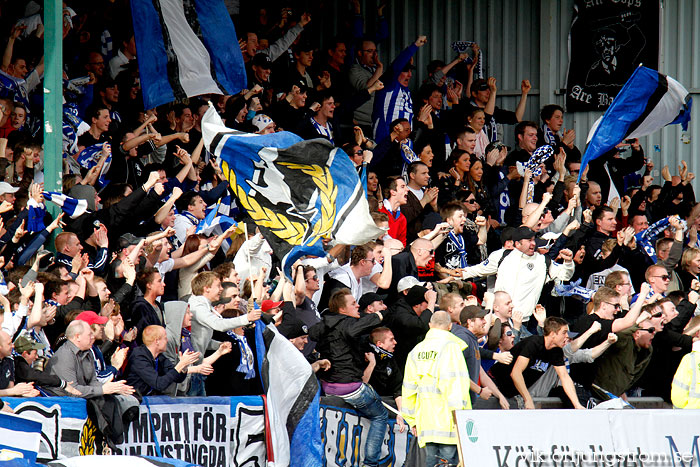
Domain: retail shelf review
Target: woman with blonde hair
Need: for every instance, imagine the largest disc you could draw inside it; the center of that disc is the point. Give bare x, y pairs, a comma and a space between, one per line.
689, 267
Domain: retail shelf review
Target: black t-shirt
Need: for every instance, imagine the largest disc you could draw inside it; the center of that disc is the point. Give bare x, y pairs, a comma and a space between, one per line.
534, 349
7, 372
86, 139
584, 323
584, 373
540, 359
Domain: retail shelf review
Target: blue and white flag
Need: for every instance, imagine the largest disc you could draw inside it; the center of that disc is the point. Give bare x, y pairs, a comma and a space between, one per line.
184, 49
215, 223
293, 396
20, 436
88, 157
647, 102
296, 191
71, 206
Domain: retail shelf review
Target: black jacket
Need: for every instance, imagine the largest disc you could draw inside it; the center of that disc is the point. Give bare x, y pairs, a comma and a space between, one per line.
337, 337
408, 328
146, 377
26, 374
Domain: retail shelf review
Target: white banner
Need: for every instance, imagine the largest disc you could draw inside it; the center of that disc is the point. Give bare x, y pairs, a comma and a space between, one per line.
591, 438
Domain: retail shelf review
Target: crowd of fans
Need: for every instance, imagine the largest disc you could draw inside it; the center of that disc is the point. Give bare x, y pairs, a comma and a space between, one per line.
583, 289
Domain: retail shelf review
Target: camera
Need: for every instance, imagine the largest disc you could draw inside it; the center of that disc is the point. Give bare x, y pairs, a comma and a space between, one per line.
495, 145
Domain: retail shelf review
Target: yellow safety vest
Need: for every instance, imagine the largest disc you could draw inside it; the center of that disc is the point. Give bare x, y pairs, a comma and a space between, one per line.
435, 383
685, 389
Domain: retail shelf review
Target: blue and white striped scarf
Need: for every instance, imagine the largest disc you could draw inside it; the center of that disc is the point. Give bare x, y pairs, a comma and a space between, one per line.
538, 158
247, 364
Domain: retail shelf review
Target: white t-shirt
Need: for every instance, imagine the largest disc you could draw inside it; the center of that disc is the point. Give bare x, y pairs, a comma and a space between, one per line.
419, 193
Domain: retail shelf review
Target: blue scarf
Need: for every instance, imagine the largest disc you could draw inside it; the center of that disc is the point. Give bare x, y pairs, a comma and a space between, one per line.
646, 238
326, 131
549, 136
458, 242
186, 341
35, 216
190, 217
247, 365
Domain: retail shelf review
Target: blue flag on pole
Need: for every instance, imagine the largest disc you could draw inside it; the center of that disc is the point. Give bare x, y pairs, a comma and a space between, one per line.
297, 192
647, 102
186, 49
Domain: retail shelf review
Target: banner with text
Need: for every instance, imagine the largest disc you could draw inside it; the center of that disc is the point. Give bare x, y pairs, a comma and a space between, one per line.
590, 438
211, 431
607, 41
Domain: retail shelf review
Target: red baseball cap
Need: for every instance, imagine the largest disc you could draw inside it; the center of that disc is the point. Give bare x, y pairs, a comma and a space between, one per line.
267, 305
91, 317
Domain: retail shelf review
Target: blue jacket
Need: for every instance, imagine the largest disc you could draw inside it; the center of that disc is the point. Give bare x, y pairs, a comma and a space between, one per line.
149, 378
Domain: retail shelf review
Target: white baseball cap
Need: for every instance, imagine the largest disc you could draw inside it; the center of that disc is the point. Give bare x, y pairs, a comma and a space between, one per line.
407, 283
7, 188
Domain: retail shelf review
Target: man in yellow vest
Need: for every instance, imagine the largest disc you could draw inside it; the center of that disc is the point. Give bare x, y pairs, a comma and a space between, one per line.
685, 389
435, 383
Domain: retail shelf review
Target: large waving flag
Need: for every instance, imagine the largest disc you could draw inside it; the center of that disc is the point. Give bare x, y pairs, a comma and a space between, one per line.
184, 49
647, 102
296, 191
292, 403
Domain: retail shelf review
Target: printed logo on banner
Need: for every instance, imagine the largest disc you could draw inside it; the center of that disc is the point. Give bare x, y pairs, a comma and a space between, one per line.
472, 432
608, 40
62, 420
344, 433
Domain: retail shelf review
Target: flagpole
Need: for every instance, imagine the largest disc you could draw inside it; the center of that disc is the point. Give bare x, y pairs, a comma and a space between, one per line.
247, 251
53, 98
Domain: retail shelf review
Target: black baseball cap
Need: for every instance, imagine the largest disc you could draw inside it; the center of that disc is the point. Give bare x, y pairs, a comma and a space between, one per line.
479, 85
416, 295
471, 312
369, 298
292, 327
262, 60
522, 233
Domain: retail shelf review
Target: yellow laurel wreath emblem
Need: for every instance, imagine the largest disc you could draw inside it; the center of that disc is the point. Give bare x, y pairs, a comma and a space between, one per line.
290, 231
328, 194
87, 438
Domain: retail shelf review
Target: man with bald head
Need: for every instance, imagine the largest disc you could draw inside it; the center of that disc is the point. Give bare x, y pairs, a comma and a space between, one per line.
149, 371
406, 263
436, 363
113, 400
503, 309
74, 362
593, 195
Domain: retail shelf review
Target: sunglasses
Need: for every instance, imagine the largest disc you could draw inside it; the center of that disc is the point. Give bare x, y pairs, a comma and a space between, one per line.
658, 314
651, 331
544, 213
430, 251
470, 201
617, 306
665, 277
312, 278
509, 333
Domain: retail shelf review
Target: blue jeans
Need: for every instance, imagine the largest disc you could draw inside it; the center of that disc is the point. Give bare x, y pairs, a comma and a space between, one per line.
434, 452
368, 404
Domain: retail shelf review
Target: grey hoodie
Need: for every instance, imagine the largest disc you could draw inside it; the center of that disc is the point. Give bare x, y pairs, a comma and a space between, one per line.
174, 317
